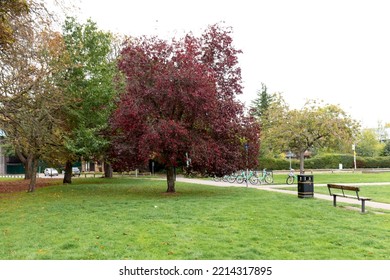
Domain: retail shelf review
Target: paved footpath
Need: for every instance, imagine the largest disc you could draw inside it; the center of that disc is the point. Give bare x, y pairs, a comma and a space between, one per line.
277, 188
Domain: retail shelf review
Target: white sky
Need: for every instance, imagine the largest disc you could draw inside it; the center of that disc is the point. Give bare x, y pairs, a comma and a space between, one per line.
334, 50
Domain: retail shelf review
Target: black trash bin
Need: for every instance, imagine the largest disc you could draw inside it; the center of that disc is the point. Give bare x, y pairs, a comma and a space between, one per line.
305, 186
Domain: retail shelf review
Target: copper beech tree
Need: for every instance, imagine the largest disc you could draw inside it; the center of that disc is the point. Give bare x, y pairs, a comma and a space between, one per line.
180, 104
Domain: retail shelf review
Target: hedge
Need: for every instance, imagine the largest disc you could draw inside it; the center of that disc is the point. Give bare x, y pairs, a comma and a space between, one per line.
327, 161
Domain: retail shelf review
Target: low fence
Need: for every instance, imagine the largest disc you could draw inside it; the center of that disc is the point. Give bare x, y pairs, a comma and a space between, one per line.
134, 173
12, 176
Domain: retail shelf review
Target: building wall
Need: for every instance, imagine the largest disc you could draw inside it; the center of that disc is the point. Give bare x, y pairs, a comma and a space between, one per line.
2, 162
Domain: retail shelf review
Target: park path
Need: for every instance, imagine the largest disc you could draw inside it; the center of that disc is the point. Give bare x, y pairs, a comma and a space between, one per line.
278, 188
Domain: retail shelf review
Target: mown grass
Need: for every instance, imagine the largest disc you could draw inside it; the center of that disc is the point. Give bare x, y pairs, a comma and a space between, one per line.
379, 193
136, 219
340, 177
376, 193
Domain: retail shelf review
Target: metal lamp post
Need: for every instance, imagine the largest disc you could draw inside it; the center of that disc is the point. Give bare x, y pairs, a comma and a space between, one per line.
247, 155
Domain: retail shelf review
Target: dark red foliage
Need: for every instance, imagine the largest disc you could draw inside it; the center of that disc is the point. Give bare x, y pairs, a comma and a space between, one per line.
181, 99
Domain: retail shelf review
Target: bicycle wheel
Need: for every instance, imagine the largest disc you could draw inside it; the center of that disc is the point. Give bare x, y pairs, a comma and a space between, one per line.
268, 179
253, 180
290, 180
240, 179
232, 178
216, 178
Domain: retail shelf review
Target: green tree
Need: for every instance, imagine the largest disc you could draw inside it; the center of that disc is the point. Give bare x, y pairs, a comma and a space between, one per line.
314, 126
386, 149
368, 144
90, 84
261, 104
275, 112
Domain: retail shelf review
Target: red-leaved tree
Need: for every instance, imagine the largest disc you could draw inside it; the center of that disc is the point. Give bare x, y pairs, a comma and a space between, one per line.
179, 103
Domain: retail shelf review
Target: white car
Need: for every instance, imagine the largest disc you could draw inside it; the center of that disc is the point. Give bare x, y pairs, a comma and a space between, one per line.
51, 172
75, 171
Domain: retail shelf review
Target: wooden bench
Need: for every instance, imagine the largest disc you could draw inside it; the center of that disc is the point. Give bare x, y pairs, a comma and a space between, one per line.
346, 191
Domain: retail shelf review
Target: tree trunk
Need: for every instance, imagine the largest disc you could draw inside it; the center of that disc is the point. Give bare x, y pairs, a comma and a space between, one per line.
103, 167
68, 173
107, 170
28, 166
171, 179
302, 162
33, 174
26, 163
82, 165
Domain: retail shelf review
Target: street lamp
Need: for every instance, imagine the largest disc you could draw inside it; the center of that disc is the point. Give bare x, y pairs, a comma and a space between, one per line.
246, 146
289, 154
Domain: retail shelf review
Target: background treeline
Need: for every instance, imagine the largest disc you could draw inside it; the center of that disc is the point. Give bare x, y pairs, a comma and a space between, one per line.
326, 161
323, 131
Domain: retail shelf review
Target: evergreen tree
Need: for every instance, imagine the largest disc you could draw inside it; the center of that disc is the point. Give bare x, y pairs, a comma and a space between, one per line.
261, 104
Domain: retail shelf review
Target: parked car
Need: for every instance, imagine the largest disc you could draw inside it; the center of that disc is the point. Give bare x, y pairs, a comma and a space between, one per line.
75, 171
51, 172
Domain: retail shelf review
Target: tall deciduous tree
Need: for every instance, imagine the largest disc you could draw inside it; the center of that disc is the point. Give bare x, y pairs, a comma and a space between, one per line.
180, 103
368, 144
29, 98
8, 11
31, 61
316, 125
90, 84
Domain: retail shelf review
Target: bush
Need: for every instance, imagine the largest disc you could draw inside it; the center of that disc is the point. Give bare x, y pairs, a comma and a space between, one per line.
278, 164
377, 162
329, 161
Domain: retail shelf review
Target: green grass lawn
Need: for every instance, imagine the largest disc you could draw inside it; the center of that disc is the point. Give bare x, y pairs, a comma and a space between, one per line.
340, 177
377, 193
136, 219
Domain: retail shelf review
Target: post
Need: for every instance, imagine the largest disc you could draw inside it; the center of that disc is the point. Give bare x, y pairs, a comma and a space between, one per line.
354, 155
289, 157
247, 155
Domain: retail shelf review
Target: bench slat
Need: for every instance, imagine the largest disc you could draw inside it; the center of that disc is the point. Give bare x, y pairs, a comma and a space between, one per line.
342, 187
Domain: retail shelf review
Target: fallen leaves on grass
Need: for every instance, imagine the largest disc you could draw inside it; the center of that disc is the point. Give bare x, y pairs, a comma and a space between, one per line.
22, 185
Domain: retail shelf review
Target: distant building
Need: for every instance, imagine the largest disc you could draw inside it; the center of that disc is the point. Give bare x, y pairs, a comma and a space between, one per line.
2, 156
9, 164
2, 162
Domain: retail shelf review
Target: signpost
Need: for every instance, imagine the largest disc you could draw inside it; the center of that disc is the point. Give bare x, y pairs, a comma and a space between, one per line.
354, 155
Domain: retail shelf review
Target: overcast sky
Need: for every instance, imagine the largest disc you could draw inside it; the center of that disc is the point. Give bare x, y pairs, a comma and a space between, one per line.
334, 50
